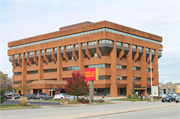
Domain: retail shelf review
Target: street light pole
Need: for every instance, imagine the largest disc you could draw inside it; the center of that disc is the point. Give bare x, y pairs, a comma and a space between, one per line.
13, 87
151, 77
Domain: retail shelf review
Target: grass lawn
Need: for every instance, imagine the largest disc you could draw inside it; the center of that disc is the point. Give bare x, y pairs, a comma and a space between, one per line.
134, 100
8, 107
47, 100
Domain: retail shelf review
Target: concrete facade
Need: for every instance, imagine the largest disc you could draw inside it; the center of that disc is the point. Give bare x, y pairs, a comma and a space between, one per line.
45, 61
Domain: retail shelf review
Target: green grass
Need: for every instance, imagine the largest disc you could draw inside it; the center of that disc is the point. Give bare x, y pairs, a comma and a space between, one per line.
47, 100
8, 107
134, 100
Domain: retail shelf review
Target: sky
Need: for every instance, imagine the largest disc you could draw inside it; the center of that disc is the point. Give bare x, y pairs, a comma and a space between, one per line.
26, 18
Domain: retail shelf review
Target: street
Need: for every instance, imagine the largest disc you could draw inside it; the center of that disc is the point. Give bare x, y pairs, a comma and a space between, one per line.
84, 111
160, 113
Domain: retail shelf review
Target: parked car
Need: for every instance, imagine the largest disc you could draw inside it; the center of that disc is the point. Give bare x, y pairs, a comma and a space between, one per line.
43, 96
30, 96
162, 95
168, 98
177, 99
34, 95
16, 96
5, 97
60, 96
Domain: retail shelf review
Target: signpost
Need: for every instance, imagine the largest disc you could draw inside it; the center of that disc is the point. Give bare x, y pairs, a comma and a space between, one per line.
91, 75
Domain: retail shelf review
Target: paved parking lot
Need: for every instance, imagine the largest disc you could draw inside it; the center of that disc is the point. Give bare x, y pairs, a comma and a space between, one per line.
38, 103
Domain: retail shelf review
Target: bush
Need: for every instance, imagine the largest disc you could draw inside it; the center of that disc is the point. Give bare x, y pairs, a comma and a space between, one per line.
129, 96
83, 100
2, 96
23, 101
135, 96
101, 100
70, 102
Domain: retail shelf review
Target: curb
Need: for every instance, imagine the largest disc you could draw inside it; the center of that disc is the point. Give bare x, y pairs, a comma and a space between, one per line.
95, 114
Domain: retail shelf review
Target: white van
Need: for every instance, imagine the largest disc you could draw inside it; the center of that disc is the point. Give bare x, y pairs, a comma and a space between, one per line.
60, 96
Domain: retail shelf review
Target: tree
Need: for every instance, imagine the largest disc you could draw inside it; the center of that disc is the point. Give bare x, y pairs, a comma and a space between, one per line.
169, 83
23, 88
3, 79
2, 96
133, 91
77, 86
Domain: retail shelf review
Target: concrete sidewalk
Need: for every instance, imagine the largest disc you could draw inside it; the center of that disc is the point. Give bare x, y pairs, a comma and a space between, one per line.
94, 114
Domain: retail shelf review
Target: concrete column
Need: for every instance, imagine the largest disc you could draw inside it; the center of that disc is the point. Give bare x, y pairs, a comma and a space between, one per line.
155, 70
40, 65
91, 92
143, 71
24, 72
129, 70
81, 60
59, 64
113, 87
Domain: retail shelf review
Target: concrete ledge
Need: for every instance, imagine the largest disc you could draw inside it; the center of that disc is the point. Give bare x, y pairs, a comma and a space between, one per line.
94, 114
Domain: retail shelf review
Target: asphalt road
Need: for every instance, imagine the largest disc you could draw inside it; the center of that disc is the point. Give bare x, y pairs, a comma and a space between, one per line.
61, 112
38, 103
160, 113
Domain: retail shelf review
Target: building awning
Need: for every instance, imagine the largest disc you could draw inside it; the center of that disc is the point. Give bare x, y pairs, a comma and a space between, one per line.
141, 88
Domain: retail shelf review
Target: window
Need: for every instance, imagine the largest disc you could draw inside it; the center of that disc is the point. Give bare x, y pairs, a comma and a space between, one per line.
85, 33
25, 54
136, 78
32, 72
104, 77
174, 90
134, 46
50, 70
121, 77
62, 48
76, 45
92, 43
69, 47
30, 81
83, 44
70, 68
17, 73
126, 45
10, 56
98, 66
137, 68
105, 41
37, 52
50, 79
159, 52
152, 50
16, 55
140, 48
118, 43
94, 55
55, 49
17, 82
121, 67
42, 51
31, 53
147, 49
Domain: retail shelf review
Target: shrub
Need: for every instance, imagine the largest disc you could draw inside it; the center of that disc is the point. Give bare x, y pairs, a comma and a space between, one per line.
2, 96
75, 101
83, 100
23, 101
63, 101
101, 100
129, 96
70, 102
92, 100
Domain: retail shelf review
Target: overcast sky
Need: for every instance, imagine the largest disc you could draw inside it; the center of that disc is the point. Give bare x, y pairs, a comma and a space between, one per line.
26, 18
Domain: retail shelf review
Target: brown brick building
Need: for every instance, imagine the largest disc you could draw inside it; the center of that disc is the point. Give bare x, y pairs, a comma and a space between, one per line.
122, 55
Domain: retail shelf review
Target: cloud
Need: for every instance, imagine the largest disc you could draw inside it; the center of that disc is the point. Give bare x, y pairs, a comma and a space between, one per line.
30, 18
